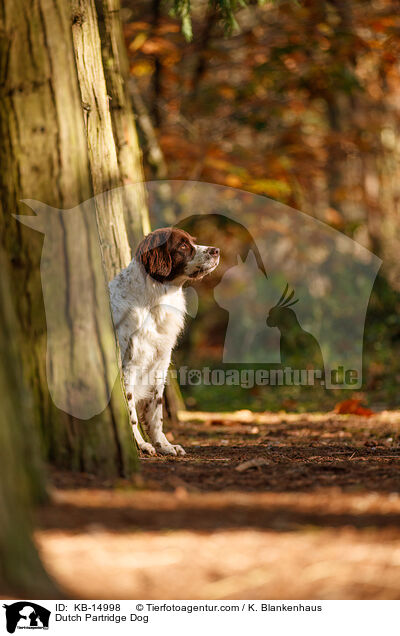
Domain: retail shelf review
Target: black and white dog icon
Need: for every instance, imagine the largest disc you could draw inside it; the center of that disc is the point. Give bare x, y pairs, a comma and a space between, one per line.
26, 615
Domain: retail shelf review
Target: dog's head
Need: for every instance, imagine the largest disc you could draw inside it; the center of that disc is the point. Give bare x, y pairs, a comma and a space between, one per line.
171, 255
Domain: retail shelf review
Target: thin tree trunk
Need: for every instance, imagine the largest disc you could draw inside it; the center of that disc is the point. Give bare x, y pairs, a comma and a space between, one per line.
44, 157
21, 481
104, 168
129, 154
154, 155
137, 219
371, 202
335, 159
202, 50
157, 75
338, 111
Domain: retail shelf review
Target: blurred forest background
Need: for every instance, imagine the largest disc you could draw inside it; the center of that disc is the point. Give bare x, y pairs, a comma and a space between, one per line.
300, 103
296, 103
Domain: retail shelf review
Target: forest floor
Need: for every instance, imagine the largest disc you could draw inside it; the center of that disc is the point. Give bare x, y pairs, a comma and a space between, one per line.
275, 506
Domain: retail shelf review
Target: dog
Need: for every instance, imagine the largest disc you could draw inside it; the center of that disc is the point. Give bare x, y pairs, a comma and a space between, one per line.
148, 307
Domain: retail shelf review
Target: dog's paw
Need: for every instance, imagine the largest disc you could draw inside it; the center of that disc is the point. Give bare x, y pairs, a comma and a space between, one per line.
170, 449
179, 450
165, 449
148, 449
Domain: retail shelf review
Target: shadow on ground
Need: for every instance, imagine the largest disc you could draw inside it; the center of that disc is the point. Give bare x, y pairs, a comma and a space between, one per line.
318, 517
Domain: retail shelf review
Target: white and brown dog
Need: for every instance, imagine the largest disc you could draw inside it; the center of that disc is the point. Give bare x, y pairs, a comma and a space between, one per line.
148, 307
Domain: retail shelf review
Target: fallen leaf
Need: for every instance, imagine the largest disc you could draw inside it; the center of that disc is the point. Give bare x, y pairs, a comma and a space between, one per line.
253, 463
352, 407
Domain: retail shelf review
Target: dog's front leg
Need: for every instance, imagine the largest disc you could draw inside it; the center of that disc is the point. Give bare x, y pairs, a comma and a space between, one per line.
144, 446
150, 412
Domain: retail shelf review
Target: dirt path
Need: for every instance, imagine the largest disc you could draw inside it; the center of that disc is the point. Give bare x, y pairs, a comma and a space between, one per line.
317, 517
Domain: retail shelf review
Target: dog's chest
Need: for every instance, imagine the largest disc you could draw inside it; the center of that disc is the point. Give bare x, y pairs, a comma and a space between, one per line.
148, 318
164, 320
148, 330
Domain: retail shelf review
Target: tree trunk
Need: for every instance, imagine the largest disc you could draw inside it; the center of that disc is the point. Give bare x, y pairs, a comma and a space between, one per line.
129, 154
335, 158
21, 571
104, 168
44, 156
153, 152
157, 75
137, 219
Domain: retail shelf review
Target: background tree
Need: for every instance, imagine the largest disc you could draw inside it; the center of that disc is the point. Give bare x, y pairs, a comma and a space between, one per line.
61, 146
22, 479
129, 154
48, 156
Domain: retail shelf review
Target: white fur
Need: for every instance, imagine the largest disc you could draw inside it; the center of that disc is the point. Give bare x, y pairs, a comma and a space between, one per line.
148, 317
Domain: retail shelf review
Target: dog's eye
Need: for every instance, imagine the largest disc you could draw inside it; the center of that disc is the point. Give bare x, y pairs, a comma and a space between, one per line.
184, 247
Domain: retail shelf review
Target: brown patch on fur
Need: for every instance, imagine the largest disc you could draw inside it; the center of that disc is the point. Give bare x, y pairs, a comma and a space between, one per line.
165, 252
129, 396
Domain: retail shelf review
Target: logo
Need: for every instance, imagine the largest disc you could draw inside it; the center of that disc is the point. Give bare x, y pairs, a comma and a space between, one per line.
294, 291
26, 615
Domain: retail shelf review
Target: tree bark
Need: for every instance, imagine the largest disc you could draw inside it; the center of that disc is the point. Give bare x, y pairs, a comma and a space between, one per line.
21, 571
115, 63
129, 155
104, 168
44, 156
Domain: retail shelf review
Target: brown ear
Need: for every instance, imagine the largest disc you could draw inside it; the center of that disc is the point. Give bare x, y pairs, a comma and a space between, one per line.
154, 255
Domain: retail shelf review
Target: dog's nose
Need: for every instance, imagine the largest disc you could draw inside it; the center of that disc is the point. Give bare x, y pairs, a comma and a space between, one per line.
213, 251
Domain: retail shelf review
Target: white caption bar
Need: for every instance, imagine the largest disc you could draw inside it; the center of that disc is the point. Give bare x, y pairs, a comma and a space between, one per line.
150, 617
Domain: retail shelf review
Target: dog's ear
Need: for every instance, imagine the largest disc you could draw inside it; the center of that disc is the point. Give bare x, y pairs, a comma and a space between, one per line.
153, 253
